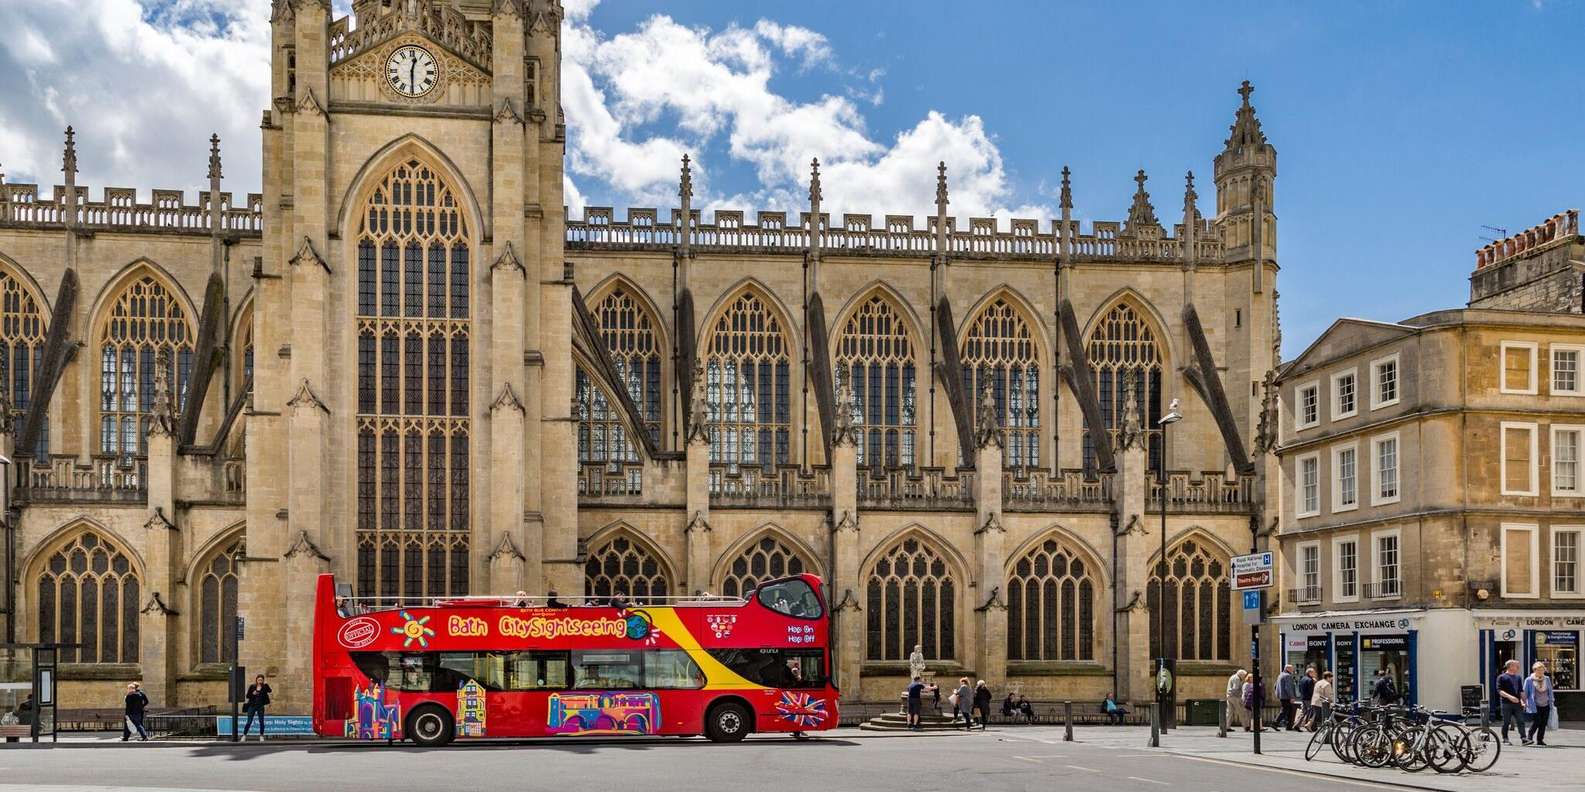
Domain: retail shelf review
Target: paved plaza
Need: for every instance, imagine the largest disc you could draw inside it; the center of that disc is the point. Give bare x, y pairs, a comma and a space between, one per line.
1012, 758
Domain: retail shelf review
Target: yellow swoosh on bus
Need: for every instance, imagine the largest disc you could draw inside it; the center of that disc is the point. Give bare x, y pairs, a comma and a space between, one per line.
716, 675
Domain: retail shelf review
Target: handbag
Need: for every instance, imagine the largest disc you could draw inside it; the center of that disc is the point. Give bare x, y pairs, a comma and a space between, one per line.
1551, 716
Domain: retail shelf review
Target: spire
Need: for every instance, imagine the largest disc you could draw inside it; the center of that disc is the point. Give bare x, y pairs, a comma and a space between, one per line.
1191, 221
69, 157
1067, 188
685, 198
814, 208
941, 208
1245, 130
214, 158
1141, 215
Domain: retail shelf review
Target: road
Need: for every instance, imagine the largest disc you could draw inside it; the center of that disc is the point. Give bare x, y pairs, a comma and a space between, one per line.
1009, 759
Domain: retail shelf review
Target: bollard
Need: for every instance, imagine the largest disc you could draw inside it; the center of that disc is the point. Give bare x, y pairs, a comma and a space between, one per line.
1067, 720
1485, 717
1221, 718
1155, 724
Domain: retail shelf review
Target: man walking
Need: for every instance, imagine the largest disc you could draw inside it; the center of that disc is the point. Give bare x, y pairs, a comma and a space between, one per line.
1287, 691
1384, 692
1306, 692
1510, 690
916, 692
1235, 697
137, 701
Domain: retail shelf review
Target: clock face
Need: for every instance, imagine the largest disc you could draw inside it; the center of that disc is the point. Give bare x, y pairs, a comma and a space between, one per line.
412, 70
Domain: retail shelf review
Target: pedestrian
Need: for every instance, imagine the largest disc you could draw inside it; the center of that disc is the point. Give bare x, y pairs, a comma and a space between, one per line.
1114, 711
137, 701
1384, 692
982, 703
1306, 692
1510, 701
1235, 697
1321, 700
963, 704
1538, 702
916, 692
1251, 708
1287, 692
258, 699
935, 697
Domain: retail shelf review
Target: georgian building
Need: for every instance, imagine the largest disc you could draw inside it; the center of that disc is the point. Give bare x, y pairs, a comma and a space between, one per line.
405, 364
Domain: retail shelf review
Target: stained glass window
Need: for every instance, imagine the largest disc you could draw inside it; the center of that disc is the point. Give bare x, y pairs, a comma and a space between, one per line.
1124, 344
624, 566
602, 434
23, 326
635, 349
413, 423
145, 319
1051, 605
1196, 603
766, 559
999, 351
911, 599
747, 372
88, 595
875, 358
217, 604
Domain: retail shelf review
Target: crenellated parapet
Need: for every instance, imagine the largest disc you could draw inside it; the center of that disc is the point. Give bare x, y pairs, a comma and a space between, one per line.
167, 211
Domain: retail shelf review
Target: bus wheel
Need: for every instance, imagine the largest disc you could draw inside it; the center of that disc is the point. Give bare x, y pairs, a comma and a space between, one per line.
430, 726
728, 722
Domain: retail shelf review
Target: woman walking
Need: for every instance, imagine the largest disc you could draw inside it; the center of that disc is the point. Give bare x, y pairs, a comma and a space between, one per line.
963, 703
1538, 702
258, 699
137, 701
982, 702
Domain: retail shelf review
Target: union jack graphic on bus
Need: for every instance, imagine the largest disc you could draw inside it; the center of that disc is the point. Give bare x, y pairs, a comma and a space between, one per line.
801, 709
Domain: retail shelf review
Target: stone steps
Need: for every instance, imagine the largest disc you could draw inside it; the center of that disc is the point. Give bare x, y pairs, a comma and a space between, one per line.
896, 721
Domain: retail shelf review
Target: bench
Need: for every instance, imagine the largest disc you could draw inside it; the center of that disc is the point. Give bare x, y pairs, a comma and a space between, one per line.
17, 731
1085, 713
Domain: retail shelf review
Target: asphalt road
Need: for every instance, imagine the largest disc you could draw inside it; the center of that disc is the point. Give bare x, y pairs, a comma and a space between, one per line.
1010, 759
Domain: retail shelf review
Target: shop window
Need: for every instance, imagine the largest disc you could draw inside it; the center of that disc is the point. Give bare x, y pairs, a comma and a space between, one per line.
1559, 649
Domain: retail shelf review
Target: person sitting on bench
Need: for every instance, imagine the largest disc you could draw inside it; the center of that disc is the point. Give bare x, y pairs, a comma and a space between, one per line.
1114, 711
1026, 709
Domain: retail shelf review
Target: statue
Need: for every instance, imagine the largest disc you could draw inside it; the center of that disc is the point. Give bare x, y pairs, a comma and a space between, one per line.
916, 661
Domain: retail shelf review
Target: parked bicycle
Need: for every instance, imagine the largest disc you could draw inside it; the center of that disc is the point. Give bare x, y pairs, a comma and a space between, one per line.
1409, 738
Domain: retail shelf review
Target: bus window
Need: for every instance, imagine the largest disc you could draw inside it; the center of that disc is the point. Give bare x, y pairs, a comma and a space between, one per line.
671, 668
454, 669
607, 670
537, 670
791, 598
777, 668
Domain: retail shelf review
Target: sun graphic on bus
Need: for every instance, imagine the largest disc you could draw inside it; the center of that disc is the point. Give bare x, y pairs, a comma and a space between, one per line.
413, 630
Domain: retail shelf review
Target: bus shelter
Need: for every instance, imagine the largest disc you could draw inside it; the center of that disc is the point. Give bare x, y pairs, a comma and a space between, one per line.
27, 691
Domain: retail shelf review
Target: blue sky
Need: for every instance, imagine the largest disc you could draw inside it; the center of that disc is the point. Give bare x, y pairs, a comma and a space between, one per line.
1402, 128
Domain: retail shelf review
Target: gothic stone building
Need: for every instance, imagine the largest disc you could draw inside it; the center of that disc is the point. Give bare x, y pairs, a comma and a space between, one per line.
405, 364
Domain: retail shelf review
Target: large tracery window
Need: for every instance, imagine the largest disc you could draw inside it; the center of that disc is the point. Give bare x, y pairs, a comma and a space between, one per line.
911, 598
622, 566
602, 434
413, 420
1124, 345
1051, 605
766, 559
1197, 603
999, 351
146, 324
747, 381
22, 330
876, 359
88, 596
628, 329
217, 604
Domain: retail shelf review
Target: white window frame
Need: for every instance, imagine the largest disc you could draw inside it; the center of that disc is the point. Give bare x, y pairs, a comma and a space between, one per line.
1375, 561
1376, 498
1300, 572
1579, 369
1338, 413
1502, 459
1338, 589
1502, 367
1299, 510
1535, 560
1337, 478
1579, 461
1376, 402
1298, 405
1578, 592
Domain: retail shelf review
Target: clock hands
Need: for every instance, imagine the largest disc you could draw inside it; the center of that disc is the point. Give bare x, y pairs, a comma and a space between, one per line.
412, 71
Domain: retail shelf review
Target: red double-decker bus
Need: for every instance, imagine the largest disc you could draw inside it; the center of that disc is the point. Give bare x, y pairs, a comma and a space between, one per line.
492, 667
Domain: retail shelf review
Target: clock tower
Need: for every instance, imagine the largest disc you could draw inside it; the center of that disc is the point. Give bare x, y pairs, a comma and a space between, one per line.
413, 314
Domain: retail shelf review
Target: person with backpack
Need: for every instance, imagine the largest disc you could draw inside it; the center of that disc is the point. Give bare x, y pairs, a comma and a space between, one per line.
1384, 692
258, 699
136, 703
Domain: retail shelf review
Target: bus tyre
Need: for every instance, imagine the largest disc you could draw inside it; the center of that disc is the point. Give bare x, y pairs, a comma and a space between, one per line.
727, 722
430, 726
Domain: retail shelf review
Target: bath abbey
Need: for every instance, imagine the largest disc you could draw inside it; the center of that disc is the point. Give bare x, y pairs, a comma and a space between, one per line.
407, 364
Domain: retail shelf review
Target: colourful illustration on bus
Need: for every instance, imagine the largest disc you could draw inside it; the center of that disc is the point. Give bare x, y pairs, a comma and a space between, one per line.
801, 709
603, 713
375, 719
470, 709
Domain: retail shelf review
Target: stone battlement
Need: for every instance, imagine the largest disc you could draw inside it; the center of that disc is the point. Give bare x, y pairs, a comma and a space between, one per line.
167, 211
1553, 230
897, 235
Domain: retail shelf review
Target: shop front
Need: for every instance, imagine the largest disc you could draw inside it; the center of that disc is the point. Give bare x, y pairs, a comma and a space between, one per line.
1547, 637
1360, 645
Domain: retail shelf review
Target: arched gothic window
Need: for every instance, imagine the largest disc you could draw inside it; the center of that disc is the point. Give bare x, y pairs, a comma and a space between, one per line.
1051, 605
1123, 344
217, 604
999, 351
414, 328
766, 559
144, 320
1197, 603
876, 359
623, 566
911, 598
747, 380
244, 345
88, 595
23, 326
602, 434
628, 329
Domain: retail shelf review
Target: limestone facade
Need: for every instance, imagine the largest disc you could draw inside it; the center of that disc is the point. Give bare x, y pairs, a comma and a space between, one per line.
404, 364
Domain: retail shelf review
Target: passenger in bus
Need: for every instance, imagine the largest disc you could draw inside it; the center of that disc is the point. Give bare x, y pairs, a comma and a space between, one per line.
552, 601
520, 599
619, 601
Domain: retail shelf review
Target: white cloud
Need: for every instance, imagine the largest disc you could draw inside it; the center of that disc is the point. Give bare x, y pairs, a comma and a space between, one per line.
808, 46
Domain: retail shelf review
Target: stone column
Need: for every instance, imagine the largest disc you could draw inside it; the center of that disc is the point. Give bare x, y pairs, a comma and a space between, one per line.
1133, 544
308, 420
157, 624
842, 578
697, 533
990, 606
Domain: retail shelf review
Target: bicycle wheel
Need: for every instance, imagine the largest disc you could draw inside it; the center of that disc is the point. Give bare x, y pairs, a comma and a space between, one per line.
1408, 749
1372, 746
1479, 748
1316, 741
1443, 749
1343, 742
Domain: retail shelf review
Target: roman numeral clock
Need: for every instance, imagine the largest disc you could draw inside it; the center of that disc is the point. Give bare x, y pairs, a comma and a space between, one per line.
412, 71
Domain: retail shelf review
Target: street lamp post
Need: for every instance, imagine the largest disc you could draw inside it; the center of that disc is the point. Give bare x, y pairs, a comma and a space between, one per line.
1164, 699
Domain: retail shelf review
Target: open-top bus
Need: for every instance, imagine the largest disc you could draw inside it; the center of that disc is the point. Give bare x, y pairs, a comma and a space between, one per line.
531, 667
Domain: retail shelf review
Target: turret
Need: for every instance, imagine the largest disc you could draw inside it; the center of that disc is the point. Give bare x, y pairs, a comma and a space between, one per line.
1247, 161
